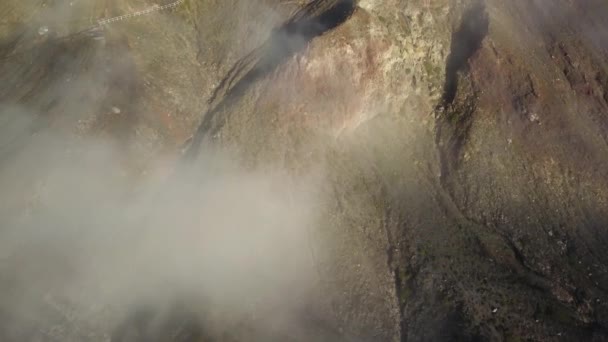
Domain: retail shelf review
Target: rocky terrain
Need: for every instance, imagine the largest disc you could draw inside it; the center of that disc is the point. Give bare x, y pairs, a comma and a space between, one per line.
417, 170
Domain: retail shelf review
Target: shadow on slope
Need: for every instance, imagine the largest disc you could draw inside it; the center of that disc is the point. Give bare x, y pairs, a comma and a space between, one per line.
311, 21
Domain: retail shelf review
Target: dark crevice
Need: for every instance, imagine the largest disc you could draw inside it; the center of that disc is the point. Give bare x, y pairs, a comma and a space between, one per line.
466, 41
311, 21
452, 128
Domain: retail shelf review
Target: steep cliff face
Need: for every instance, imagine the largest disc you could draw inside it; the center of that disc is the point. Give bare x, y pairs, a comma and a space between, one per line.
461, 146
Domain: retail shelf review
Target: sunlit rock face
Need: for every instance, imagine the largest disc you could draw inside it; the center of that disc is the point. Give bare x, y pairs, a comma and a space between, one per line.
427, 169
350, 75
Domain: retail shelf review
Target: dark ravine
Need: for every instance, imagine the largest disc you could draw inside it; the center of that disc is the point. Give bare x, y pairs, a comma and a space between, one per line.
454, 119
465, 42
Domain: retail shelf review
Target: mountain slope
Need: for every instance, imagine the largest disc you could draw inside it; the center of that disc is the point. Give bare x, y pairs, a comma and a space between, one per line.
461, 146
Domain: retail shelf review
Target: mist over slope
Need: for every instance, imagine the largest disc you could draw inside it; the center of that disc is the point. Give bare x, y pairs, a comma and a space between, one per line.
304, 170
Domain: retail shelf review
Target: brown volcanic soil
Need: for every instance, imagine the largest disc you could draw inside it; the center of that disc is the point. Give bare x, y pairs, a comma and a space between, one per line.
463, 143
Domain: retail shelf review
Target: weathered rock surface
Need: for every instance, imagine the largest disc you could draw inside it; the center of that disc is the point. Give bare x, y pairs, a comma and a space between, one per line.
464, 144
